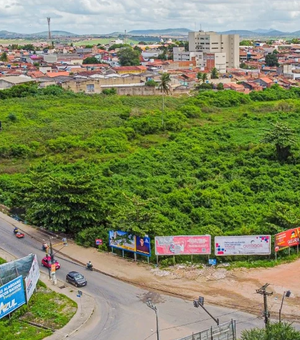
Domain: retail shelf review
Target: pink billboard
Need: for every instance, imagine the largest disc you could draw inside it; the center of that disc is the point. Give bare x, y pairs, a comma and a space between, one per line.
182, 245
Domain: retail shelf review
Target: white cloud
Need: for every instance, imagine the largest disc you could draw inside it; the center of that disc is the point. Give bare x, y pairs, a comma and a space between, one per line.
104, 16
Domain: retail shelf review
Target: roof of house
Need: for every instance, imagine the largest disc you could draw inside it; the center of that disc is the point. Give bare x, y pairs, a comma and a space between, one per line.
57, 74
130, 68
266, 80
17, 79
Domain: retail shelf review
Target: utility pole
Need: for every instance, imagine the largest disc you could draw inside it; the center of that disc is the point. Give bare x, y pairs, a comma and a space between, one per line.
265, 294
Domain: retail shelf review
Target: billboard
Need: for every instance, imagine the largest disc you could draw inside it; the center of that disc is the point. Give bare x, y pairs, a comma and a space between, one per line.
12, 296
182, 245
129, 242
288, 238
32, 278
243, 245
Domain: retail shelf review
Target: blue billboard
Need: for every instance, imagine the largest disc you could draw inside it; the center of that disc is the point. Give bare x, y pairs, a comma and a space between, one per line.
12, 296
129, 242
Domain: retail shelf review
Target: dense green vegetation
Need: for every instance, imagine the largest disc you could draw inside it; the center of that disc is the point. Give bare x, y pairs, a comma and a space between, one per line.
206, 164
275, 331
46, 308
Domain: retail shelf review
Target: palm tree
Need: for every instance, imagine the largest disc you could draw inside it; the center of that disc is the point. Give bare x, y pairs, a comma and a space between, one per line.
164, 87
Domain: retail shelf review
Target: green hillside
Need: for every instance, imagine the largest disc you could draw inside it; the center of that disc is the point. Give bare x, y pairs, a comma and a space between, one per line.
207, 165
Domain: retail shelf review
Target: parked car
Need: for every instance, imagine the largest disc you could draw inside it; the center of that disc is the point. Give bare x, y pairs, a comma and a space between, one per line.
46, 262
76, 279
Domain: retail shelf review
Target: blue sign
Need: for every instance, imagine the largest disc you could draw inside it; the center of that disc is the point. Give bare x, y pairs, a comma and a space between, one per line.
12, 296
212, 262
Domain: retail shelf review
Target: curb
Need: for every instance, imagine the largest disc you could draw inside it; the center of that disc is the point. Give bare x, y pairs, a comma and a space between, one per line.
78, 328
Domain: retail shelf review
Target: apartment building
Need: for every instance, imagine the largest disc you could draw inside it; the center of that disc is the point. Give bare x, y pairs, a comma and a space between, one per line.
212, 42
211, 50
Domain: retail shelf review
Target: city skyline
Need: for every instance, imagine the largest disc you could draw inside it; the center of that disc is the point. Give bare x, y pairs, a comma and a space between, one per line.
101, 16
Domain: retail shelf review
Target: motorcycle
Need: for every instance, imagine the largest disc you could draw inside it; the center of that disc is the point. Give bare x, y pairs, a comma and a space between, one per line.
44, 246
89, 266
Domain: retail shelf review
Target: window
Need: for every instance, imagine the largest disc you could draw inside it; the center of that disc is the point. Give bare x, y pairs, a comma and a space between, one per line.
90, 88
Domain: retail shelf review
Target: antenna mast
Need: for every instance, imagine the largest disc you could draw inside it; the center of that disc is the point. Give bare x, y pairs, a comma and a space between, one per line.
49, 30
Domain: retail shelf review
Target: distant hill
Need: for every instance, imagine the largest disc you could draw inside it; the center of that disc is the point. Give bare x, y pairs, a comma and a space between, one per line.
260, 33
13, 35
167, 31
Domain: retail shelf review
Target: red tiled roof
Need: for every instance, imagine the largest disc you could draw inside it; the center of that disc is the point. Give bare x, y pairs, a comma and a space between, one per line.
57, 74
266, 80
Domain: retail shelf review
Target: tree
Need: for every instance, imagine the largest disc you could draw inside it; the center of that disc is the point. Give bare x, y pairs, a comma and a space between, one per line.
136, 48
164, 87
220, 86
129, 57
66, 200
151, 83
275, 331
90, 60
271, 60
4, 57
114, 46
246, 43
214, 73
164, 84
283, 138
136, 215
202, 76
109, 92
28, 47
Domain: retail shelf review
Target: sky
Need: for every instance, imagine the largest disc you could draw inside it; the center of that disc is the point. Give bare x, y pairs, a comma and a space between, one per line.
106, 16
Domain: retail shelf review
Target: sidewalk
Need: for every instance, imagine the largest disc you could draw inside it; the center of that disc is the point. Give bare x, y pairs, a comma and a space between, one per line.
86, 303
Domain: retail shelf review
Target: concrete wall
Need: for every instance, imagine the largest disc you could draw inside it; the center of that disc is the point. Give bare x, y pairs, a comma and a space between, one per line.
5, 85
95, 85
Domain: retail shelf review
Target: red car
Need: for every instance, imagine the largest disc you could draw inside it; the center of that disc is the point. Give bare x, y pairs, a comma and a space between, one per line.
46, 262
19, 235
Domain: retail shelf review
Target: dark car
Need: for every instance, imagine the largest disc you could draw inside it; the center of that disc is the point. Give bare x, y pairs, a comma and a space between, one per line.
46, 262
76, 279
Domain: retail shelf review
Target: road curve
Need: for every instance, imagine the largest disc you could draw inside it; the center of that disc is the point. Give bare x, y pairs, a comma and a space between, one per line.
121, 312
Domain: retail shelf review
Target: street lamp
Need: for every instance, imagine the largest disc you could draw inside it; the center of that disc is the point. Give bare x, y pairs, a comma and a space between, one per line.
285, 294
200, 303
152, 306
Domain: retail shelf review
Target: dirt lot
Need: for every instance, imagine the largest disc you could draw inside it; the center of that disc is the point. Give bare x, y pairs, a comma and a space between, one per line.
230, 288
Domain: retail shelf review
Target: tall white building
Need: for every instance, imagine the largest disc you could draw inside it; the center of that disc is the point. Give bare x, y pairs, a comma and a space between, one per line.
211, 50
212, 42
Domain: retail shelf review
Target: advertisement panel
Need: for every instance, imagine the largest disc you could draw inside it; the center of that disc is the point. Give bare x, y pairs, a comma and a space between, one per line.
288, 238
32, 278
12, 296
243, 245
122, 240
182, 245
129, 242
143, 246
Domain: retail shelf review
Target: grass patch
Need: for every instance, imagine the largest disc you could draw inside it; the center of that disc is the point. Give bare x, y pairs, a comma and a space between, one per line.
45, 308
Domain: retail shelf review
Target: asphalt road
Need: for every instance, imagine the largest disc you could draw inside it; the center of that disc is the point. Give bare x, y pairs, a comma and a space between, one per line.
121, 312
